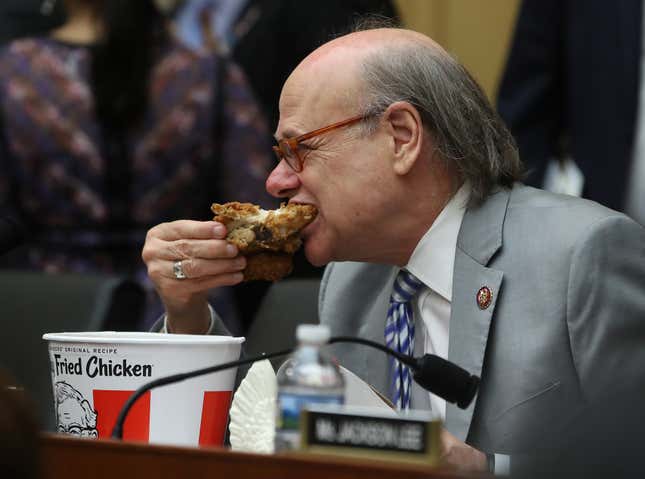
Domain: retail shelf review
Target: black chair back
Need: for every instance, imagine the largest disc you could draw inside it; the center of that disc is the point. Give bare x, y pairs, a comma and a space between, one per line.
32, 304
287, 304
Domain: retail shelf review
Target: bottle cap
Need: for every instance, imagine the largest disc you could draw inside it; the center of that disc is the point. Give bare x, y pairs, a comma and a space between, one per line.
313, 333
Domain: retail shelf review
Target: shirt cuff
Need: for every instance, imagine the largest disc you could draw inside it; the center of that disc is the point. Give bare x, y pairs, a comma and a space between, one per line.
211, 311
502, 465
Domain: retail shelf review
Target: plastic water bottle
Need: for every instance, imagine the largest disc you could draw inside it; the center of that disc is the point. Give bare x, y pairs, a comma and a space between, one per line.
309, 377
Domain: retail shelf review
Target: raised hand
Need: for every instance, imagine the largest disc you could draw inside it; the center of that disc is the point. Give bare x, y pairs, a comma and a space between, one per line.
185, 259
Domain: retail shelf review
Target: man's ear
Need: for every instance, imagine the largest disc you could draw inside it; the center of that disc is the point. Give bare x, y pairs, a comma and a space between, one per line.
403, 123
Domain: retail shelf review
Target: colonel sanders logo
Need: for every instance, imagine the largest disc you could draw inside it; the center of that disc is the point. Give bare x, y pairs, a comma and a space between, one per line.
74, 415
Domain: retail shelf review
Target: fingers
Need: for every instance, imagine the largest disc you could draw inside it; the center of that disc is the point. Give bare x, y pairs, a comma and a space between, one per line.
206, 259
186, 288
188, 229
190, 248
196, 268
185, 239
461, 455
199, 245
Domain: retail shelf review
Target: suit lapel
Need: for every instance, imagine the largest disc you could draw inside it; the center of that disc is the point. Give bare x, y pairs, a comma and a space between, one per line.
480, 237
374, 330
356, 302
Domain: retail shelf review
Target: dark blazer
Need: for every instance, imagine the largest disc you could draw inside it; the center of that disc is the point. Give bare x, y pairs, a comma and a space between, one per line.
276, 35
571, 87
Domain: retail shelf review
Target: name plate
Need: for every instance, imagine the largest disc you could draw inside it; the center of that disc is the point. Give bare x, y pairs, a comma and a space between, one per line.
367, 432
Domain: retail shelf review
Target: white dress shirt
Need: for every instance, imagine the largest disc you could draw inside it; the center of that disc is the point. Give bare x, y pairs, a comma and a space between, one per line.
432, 262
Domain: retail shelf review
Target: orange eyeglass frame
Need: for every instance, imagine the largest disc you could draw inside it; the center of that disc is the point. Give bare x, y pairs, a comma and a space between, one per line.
287, 149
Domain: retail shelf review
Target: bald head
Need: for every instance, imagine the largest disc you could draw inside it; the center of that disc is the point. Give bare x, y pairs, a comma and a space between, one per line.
365, 42
347, 54
335, 71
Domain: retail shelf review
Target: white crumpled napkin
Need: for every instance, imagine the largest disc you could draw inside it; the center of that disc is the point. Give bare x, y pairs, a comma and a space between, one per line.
252, 424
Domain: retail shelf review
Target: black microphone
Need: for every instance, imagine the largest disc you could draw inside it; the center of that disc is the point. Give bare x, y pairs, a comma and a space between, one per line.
12, 233
434, 374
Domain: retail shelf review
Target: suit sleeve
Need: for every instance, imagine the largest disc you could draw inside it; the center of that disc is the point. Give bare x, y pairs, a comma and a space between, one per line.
531, 89
606, 307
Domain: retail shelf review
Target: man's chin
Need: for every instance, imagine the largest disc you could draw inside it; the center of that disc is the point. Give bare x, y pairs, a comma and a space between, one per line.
315, 255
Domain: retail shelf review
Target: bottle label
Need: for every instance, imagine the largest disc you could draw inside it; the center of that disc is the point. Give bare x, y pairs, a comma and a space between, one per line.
288, 423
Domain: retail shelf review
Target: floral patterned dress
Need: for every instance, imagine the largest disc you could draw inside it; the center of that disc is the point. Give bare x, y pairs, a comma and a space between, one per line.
203, 139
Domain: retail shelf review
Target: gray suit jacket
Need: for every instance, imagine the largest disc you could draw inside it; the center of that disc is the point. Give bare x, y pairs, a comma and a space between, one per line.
567, 318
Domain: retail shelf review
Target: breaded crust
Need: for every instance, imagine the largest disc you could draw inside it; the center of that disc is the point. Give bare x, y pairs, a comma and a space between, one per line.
267, 266
268, 238
253, 229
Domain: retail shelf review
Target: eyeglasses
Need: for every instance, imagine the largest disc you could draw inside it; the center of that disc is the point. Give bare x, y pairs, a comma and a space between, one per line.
287, 149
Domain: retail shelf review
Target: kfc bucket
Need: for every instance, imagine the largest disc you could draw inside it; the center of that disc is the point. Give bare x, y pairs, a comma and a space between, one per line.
93, 374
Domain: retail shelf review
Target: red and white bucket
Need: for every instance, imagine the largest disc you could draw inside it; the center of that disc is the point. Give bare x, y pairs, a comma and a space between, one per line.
93, 375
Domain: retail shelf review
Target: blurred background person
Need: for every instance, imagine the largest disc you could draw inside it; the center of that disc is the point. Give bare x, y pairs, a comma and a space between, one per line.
19, 18
273, 37
573, 96
110, 125
269, 38
208, 23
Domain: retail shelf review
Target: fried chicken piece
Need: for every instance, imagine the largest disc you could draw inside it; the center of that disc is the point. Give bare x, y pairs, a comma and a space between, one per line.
274, 233
268, 266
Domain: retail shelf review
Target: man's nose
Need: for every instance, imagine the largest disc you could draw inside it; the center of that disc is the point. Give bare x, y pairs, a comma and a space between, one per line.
283, 182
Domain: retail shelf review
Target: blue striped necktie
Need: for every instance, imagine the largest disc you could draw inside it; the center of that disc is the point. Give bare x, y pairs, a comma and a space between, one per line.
399, 335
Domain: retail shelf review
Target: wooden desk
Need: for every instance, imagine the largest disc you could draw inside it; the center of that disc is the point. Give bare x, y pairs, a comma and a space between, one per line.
65, 457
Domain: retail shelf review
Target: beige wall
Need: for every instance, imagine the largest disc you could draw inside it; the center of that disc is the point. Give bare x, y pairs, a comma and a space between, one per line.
477, 32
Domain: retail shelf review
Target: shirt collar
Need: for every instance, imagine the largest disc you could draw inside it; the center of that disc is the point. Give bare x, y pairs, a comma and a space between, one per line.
433, 259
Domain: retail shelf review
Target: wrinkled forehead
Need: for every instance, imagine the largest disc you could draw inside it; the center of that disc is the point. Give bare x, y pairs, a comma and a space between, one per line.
320, 92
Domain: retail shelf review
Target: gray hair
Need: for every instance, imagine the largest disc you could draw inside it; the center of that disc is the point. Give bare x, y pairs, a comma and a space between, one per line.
469, 135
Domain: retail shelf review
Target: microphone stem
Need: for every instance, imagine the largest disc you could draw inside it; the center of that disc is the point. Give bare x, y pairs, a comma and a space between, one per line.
405, 359
117, 431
